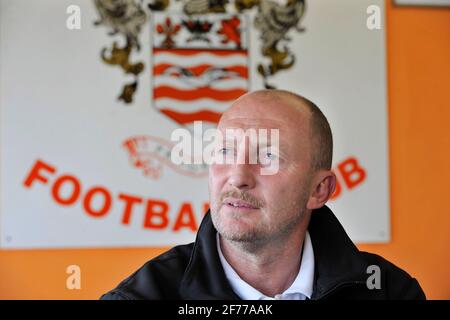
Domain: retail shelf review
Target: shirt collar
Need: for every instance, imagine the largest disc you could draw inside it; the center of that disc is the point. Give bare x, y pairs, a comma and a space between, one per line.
300, 289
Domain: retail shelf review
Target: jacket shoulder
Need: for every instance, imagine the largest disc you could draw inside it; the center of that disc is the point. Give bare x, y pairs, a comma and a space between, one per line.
396, 283
158, 278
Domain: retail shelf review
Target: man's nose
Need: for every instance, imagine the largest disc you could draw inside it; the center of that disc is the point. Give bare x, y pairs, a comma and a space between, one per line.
242, 176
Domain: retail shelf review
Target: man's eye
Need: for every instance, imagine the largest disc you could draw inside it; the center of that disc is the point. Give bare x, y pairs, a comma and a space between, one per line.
267, 157
223, 151
271, 156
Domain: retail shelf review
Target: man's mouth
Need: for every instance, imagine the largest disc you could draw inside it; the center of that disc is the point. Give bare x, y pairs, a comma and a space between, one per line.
239, 204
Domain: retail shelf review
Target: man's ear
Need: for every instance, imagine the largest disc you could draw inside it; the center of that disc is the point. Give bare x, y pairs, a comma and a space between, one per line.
323, 185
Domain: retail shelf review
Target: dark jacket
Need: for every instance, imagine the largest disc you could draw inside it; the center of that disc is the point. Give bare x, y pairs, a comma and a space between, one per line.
194, 271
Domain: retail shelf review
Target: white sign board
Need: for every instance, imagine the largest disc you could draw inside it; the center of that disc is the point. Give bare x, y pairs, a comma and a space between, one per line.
90, 94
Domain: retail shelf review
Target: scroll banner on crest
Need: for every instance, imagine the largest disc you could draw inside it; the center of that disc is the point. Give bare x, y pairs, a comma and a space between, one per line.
88, 104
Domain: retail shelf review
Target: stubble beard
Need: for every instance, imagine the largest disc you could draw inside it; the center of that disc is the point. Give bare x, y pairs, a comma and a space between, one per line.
260, 235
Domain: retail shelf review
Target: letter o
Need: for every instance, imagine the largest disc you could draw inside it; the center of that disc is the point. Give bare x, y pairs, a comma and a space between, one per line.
75, 193
106, 205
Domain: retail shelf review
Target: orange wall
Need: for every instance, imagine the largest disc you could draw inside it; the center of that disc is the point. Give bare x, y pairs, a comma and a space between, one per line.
419, 115
418, 52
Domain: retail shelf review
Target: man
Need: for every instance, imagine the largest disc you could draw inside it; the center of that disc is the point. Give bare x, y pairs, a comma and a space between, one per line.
270, 236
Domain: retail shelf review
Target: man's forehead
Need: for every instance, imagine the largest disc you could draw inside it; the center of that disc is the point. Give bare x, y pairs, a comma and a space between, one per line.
250, 123
285, 136
285, 127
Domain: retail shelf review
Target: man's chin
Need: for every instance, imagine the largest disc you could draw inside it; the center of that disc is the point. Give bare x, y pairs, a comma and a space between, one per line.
236, 227
239, 232
237, 237
234, 230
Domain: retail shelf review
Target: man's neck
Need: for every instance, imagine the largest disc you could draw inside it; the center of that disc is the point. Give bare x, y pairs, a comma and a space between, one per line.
270, 268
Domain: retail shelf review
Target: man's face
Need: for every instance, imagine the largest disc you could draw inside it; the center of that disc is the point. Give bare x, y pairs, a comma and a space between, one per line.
248, 206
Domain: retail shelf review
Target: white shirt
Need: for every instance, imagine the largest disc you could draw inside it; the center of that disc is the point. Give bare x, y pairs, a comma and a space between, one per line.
300, 289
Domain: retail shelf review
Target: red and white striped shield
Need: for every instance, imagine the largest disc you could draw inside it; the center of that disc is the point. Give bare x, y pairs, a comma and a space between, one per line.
200, 65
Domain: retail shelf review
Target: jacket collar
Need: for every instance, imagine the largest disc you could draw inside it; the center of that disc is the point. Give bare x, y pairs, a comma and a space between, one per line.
204, 277
337, 260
